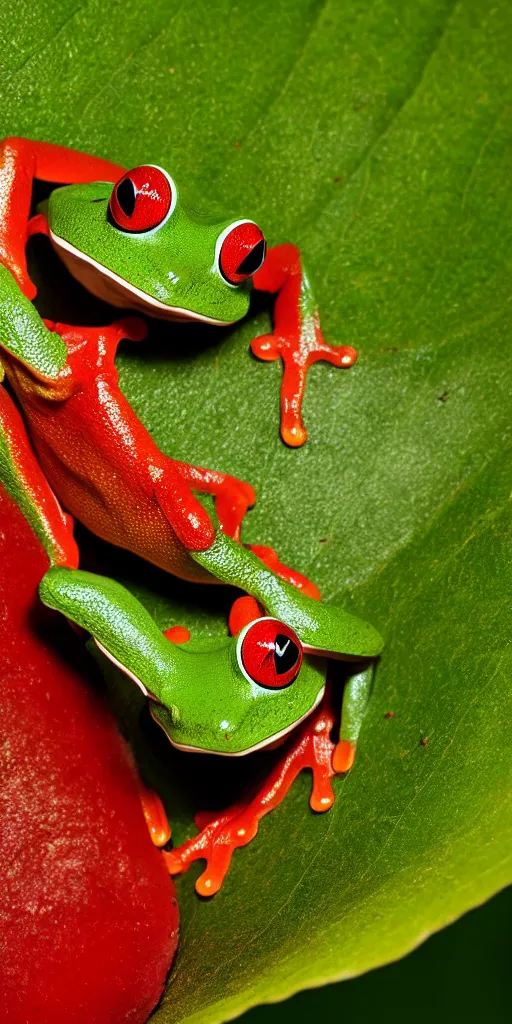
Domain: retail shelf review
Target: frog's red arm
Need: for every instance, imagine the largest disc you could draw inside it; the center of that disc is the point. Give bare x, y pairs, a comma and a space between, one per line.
22, 160
297, 336
23, 478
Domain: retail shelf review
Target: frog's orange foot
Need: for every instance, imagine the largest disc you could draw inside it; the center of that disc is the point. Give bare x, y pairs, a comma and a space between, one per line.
299, 349
221, 833
154, 813
344, 756
266, 347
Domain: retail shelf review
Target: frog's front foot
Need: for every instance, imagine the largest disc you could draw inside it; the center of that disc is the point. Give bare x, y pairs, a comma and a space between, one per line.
297, 336
298, 351
221, 833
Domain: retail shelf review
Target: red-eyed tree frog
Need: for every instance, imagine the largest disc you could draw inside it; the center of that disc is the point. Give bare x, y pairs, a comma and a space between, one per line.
129, 240
234, 696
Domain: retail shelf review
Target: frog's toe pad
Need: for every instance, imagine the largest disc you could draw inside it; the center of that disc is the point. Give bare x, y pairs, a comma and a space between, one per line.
220, 836
344, 756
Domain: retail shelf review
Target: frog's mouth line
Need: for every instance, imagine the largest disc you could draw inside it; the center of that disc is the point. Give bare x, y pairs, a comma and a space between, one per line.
250, 750
111, 288
202, 750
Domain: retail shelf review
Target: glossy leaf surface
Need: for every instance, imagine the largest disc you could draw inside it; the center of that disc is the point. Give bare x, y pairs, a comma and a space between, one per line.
378, 138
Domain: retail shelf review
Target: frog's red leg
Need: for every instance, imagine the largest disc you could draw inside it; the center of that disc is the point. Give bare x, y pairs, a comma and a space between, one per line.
271, 559
23, 478
297, 336
232, 496
222, 833
231, 505
91, 351
22, 160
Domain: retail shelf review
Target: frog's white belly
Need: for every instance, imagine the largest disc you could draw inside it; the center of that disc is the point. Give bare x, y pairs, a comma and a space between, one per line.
109, 287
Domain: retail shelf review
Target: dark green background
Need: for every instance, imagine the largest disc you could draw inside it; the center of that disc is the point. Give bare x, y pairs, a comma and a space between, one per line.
461, 973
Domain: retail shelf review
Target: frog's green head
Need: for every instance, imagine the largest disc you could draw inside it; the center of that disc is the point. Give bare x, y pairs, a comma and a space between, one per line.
241, 694
226, 696
134, 245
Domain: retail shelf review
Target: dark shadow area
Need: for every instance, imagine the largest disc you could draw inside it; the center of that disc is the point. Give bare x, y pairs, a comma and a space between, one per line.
98, 556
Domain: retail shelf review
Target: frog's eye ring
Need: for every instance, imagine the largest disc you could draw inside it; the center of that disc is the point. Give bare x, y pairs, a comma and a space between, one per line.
142, 199
269, 653
240, 251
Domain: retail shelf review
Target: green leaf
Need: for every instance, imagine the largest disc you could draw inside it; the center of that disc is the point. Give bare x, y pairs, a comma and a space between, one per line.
378, 137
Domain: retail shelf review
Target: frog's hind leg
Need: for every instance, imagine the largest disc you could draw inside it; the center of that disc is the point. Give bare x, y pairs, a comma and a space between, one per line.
356, 695
24, 480
233, 497
22, 160
224, 832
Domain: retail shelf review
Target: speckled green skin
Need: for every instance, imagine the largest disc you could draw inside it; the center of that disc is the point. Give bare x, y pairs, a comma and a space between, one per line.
207, 703
184, 247
24, 333
320, 626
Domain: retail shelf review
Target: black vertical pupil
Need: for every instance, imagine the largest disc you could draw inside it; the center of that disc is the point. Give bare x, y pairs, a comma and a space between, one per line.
286, 653
253, 260
126, 196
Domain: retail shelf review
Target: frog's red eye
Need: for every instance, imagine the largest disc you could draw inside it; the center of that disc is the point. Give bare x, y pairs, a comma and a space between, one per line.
270, 653
142, 199
242, 251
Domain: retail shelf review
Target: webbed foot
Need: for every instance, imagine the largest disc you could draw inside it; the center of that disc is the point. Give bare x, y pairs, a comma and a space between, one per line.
221, 833
297, 337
